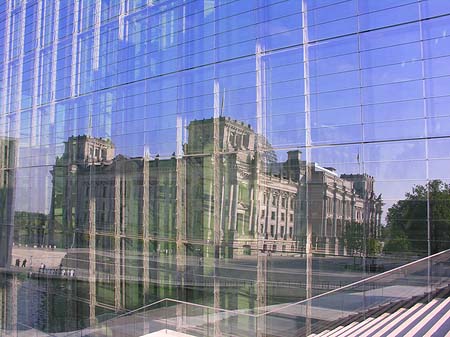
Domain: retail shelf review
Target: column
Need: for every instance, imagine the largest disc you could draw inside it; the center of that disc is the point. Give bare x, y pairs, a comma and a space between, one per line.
145, 224
92, 253
117, 244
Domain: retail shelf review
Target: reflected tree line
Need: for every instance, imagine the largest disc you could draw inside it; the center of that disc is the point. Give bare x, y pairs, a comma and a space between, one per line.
420, 223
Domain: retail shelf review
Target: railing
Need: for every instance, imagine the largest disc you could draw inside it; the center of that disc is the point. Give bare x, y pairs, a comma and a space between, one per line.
413, 279
416, 278
169, 314
296, 319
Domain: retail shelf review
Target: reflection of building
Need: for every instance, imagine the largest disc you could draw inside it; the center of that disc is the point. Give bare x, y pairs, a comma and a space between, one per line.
168, 221
260, 204
338, 201
257, 198
7, 187
91, 184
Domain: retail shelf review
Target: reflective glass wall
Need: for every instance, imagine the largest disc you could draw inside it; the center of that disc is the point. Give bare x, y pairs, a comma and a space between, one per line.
236, 154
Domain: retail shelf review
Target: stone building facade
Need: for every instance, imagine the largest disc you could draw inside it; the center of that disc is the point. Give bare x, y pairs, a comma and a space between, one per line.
338, 201
146, 221
261, 202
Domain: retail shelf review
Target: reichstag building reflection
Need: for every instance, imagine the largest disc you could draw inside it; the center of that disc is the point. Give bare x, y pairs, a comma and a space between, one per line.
242, 155
134, 229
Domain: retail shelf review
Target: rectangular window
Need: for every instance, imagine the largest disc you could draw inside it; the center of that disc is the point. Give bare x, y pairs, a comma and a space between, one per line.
272, 216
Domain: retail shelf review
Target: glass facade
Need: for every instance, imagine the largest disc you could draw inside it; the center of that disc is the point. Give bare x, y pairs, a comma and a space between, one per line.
239, 154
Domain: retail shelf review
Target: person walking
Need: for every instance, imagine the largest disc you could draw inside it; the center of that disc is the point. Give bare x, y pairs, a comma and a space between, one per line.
24, 263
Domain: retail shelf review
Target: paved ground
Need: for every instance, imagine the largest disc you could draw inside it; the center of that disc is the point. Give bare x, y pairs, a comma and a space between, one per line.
35, 256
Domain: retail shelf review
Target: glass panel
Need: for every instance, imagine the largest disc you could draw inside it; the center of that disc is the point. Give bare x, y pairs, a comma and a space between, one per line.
198, 165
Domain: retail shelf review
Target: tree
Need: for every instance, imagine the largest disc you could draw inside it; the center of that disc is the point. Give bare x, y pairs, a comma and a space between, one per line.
397, 242
374, 247
408, 219
354, 241
353, 238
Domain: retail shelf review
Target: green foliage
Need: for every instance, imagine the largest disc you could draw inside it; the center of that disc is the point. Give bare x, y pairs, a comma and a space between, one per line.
407, 220
398, 242
353, 239
374, 247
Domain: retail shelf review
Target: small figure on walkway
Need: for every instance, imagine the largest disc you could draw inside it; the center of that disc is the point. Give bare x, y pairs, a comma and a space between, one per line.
17, 262
24, 263
41, 268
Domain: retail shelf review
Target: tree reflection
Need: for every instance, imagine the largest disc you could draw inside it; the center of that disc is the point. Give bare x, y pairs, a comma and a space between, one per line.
408, 220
